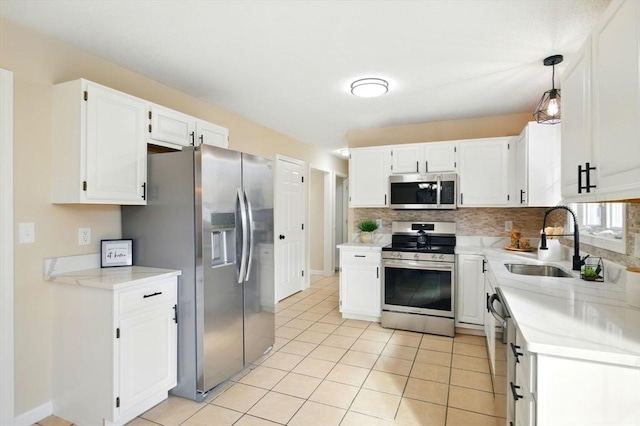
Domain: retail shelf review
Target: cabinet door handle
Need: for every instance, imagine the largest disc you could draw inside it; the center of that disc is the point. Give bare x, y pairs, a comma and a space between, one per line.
514, 349
144, 191
377, 272
417, 167
426, 167
201, 137
522, 196
193, 138
461, 199
157, 293
514, 389
359, 255
484, 262
385, 199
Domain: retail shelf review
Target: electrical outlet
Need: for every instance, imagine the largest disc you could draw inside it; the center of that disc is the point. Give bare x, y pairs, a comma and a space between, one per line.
508, 225
84, 236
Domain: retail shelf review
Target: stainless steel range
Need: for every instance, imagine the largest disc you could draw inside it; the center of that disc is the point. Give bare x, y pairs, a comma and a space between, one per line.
418, 277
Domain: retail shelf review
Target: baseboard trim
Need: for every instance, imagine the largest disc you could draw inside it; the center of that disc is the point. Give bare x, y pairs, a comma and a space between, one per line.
35, 415
317, 272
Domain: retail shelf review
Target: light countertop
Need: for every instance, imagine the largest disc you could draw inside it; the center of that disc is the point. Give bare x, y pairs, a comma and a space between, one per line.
114, 278
568, 317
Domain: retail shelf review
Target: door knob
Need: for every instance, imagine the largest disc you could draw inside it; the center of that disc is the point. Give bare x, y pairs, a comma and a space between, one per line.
281, 237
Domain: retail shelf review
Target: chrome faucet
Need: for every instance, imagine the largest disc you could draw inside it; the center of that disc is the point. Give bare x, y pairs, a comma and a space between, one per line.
576, 260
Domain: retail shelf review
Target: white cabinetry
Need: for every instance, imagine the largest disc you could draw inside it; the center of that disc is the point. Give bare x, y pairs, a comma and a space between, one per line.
211, 134
484, 171
99, 146
170, 128
538, 165
470, 293
174, 129
549, 390
114, 349
424, 158
360, 284
601, 111
369, 170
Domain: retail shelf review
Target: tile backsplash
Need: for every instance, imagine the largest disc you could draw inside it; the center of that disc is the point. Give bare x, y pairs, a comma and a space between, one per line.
486, 222
489, 222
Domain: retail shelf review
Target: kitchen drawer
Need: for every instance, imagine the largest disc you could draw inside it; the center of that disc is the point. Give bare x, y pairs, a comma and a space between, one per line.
360, 257
163, 292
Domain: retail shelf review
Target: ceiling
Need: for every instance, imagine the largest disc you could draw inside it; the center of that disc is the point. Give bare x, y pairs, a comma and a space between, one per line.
288, 64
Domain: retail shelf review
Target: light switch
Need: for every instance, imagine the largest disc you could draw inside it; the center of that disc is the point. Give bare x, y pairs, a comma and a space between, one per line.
27, 233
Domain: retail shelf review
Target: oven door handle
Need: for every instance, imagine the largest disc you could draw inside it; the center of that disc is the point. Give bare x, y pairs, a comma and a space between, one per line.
493, 311
408, 264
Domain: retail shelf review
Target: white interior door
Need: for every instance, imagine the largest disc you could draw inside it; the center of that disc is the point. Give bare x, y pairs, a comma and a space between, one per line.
289, 233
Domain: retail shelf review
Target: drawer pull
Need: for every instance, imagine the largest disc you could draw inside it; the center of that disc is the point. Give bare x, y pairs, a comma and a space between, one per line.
157, 293
359, 255
514, 391
517, 354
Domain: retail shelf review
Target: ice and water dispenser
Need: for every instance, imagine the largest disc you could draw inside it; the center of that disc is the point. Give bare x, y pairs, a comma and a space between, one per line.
223, 239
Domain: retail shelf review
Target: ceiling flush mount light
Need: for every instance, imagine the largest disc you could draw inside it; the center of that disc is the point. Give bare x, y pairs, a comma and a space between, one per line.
548, 110
369, 87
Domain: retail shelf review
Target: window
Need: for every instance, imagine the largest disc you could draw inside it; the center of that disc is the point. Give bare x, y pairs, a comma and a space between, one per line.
601, 225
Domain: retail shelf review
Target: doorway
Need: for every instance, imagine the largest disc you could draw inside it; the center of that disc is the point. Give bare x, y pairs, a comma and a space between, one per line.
341, 215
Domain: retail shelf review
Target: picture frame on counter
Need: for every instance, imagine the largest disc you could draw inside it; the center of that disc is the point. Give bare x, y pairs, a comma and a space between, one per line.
114, 253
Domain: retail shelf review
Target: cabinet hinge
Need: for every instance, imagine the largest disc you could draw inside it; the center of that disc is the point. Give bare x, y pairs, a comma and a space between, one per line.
175, 313
349, 156
341, 303
508, 146
86, 95
149, 115
84, 185
455, 149
508, 197
392, 167
303, 226
302, 177
118, 333
118, 402
455, 164
149, 128
392, 153
303, 273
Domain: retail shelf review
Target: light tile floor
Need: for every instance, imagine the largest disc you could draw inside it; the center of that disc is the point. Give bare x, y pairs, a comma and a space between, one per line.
325, 370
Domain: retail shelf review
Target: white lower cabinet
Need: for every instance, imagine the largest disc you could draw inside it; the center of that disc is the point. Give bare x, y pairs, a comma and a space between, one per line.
360, 284
114, 350
470, 294
554, 390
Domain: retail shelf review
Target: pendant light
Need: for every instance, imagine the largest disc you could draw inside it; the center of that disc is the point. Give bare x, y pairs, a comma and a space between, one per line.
548, 109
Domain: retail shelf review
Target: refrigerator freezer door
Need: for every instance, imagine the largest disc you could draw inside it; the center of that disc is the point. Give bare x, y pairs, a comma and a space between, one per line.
218, 294
259, 286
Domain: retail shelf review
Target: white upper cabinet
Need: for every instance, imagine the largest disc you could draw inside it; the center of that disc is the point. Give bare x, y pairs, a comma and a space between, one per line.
171, 129
601, 111
616, 102
424, 158
484, 172
369, 170
211, 134
538, 165
99, 145
576, 122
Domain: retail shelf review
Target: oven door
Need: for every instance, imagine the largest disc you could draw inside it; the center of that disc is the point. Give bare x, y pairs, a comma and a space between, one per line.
418, 287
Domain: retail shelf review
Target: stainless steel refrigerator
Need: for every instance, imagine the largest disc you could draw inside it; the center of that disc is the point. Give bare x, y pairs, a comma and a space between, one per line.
209, 213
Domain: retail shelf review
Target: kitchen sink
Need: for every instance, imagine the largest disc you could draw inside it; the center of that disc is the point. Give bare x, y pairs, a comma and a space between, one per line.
539, 270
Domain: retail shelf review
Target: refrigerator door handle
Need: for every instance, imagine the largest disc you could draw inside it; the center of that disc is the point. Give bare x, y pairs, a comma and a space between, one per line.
250, 222
243, 220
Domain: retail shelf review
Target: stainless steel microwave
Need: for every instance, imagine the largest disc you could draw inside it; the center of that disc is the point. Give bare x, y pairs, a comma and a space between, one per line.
422, 191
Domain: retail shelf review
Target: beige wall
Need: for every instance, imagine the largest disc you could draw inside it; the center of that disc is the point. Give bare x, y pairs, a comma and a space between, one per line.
469, 128
316, 220
38, 62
